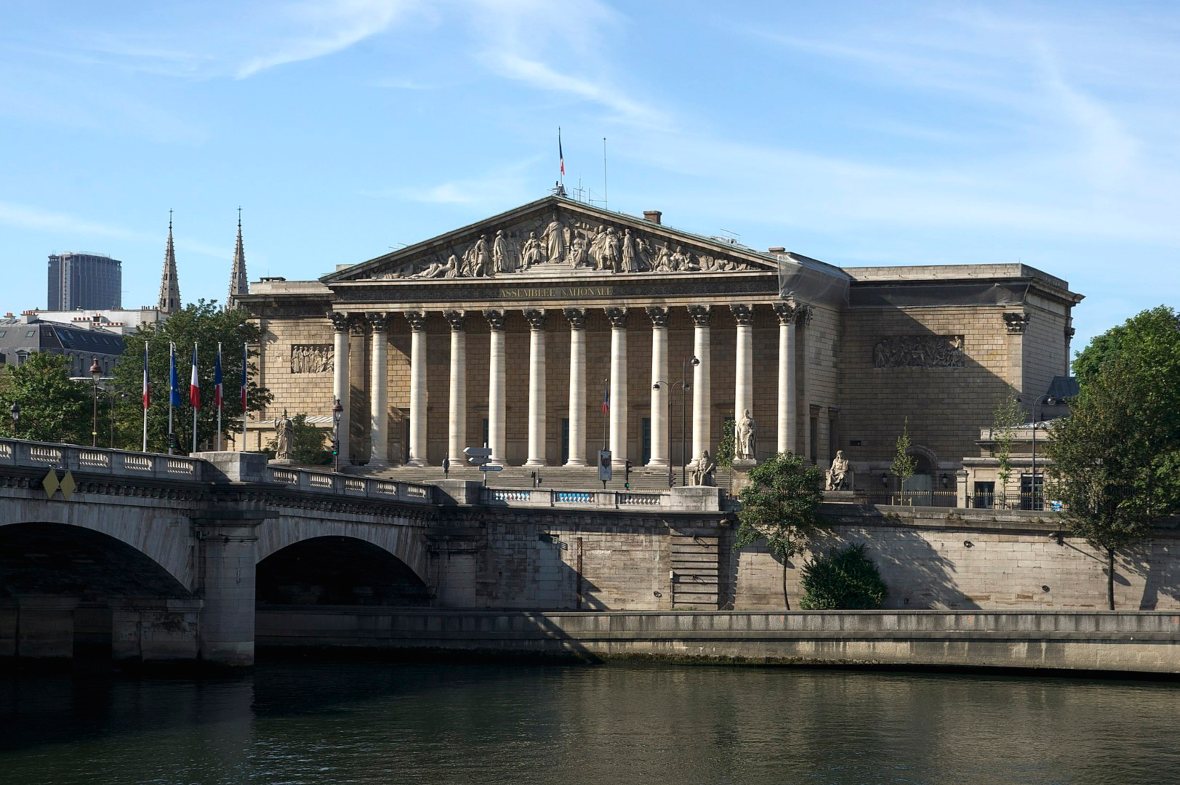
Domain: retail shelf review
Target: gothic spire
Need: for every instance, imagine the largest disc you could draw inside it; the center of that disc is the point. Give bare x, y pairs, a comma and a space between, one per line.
238, 283
169, 283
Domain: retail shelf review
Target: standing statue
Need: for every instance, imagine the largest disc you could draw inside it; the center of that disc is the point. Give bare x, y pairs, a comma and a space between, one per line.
481, 257
610, 251
500, 261
703, 472
628, 251
554, 237
743, 437
283, 437
838, 472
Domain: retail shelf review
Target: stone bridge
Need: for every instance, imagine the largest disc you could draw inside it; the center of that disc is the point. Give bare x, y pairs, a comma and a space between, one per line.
146, 557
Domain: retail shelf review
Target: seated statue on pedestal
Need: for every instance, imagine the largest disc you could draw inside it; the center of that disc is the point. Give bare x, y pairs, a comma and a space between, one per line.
838, 473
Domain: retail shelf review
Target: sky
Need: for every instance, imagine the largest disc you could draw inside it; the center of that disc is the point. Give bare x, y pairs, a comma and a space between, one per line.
857, 133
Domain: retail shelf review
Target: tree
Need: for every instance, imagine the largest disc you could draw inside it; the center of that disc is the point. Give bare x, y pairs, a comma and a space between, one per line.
203, 324
53, 407
781, 504
1007, 417
844, 579
1116, 458
726, 444
903, 465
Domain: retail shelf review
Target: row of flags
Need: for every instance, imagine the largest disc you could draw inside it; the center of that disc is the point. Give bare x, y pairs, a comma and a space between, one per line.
194, 385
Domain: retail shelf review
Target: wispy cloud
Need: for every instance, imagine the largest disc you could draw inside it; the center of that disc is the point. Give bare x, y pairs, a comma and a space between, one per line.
41, 220
492, 190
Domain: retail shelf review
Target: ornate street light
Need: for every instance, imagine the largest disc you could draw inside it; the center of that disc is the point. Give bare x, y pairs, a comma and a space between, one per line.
15, 419
337, 413
95, 372
684, 388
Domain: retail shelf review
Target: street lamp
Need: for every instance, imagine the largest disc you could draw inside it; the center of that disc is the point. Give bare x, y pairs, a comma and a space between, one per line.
1035, 406
337, 412
95, 372
684, 388
15, 419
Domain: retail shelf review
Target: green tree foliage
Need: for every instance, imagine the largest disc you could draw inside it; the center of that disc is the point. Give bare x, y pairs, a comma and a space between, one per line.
903, 465
844, 579
726, 444
53, 408
1116, 458
1007, 417
204, 324
307, 443
781, 505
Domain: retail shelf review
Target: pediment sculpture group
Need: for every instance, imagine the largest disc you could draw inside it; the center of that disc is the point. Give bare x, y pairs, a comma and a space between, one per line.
575, 244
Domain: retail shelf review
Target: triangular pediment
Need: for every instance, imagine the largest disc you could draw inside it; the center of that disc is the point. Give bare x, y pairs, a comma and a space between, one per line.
557, 236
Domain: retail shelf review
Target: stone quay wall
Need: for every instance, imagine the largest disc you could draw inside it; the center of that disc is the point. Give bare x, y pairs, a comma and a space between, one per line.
1098, 641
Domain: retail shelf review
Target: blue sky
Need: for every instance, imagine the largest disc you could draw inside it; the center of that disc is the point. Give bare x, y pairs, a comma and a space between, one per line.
857, 133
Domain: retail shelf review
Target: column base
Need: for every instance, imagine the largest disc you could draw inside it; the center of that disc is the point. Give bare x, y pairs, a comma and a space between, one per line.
656, 465
535, 465
575, 463
417, 464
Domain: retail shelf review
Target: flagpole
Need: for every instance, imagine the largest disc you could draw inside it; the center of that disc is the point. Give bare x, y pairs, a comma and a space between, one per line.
190, 397
217, 392
147, 392
171, 390
245, 376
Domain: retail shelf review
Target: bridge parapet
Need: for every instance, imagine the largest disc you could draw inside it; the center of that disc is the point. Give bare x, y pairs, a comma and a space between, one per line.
365, 487
688, 499
97, 460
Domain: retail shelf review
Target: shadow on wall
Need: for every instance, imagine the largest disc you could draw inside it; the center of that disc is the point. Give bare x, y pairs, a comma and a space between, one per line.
918, 577
1152, 561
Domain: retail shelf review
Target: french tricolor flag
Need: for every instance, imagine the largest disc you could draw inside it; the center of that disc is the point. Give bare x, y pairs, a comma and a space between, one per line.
217, 384
194, 384
147, 384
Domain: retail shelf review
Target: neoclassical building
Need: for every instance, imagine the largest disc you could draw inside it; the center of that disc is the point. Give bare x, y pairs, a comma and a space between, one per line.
556, 329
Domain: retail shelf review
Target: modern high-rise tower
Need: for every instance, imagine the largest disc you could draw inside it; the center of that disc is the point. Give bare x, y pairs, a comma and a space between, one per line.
83, 280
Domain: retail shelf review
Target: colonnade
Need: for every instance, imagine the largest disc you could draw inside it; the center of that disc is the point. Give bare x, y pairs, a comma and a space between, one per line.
789, 316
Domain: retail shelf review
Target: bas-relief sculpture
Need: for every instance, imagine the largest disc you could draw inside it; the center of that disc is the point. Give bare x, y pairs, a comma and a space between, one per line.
919, 351
563, 241
311, 358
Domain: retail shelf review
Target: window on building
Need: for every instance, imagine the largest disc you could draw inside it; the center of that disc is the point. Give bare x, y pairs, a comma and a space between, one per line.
813, 436
565, 440
985, 495
30, 333
1032, 495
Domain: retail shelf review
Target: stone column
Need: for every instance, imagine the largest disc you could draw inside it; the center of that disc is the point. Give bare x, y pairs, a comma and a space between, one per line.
227, 575
378, 392
496, 403
577, 406
743, 393
457, 399
661, 388
788, 406
340, 383
618, 384
417, 320
702, 395
536, 319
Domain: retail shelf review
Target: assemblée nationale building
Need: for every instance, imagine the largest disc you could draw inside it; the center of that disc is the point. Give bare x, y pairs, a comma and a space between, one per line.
557, 328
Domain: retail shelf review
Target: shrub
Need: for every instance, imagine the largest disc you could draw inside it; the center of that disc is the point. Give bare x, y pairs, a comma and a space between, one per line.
842, 579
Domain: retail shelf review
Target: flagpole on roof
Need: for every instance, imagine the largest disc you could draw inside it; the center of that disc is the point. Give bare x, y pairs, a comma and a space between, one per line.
147, 393
194, 396
217, 393
560, 157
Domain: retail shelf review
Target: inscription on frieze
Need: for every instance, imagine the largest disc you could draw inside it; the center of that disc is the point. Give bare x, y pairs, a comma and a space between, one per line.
311, 358
919, 351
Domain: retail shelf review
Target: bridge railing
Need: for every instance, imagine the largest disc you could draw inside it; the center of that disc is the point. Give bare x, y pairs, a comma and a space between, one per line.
372, 488
678, 499
98, 460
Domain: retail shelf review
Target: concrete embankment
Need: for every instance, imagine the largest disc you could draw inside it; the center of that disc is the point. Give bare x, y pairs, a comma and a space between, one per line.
1133, 642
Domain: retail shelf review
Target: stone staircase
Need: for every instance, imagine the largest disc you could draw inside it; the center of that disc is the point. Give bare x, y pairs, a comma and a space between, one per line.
695, 564
554, 477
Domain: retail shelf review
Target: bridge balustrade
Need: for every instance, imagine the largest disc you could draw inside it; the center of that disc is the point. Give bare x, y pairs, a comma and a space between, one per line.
15, 452
544, 497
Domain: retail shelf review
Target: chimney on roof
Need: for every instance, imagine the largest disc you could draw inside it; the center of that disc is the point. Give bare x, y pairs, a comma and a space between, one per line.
776, 249
653, 215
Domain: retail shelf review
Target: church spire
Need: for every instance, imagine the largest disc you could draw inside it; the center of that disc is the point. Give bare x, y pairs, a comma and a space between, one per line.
238, 284
169, 283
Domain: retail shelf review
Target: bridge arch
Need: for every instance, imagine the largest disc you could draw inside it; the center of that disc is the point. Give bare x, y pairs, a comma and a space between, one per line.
406, 543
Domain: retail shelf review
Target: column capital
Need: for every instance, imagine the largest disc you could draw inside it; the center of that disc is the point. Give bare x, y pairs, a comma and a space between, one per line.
700, 315
617, 316
744, 314
455, 319
377, 322
792, 313
417, 320
536, 318
577, 317
658, 315
495, 318
339, 321
1016, 322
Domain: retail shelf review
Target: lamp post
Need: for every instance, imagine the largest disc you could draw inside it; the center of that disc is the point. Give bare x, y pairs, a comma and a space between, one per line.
661, 384
15, 419
95, 372
1035, 405
684, 388
337, 411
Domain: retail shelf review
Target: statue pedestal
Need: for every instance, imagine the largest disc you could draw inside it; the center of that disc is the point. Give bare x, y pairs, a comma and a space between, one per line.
281, 462
740, 476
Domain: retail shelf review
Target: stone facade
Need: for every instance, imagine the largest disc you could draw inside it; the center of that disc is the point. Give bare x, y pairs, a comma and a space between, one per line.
512, 330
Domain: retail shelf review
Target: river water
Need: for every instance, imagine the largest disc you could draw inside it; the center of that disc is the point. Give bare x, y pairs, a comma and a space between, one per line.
573, 724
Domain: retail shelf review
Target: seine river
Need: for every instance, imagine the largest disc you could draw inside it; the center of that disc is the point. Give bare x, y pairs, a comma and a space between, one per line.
444, 723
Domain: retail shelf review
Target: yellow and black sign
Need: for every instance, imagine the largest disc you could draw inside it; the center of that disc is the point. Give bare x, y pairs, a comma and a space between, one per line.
52, 484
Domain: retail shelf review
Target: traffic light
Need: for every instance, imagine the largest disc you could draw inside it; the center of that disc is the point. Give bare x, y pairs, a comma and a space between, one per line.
335, 446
